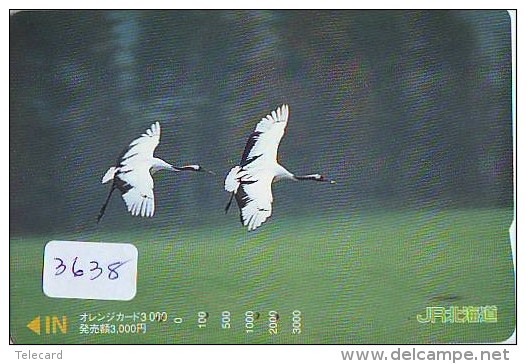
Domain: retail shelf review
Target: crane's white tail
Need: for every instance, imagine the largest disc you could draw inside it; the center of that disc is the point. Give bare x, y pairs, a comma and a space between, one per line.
109, 175
231, 181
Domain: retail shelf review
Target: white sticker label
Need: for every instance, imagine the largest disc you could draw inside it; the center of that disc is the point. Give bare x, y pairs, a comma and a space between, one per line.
102, 271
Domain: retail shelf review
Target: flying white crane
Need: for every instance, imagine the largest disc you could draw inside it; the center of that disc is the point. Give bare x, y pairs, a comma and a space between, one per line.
250, 182
132, 175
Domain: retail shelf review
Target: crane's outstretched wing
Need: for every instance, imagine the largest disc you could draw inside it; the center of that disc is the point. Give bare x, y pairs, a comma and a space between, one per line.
254, 198
136, 187
263, 143
144, 146
138, 150
135, 174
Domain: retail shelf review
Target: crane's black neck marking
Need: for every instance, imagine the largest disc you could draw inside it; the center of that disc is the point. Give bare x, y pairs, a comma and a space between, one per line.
309, 177
187, 168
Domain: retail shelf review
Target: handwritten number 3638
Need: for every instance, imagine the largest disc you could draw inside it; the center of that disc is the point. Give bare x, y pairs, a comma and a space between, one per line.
96, 269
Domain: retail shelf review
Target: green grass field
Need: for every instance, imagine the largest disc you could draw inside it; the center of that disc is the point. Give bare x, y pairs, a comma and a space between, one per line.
356, 279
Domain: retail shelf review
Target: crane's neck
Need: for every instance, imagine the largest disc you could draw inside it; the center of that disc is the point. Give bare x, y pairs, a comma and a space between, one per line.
191, 167
313, 177
282, 173
308, 177
158, 164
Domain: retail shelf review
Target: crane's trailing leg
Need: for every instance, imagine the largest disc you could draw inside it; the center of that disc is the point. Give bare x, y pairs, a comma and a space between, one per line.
103, 208
232, 184
229, 202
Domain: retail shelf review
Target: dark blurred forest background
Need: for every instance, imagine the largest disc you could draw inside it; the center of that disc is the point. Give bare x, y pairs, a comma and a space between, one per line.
405, 109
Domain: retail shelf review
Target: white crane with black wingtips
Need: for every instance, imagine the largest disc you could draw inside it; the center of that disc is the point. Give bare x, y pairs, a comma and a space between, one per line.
251, 182
132, 175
